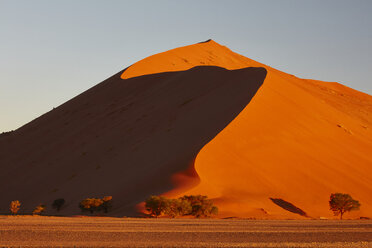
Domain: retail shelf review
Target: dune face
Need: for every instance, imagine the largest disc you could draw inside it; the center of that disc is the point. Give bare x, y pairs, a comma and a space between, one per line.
185, 122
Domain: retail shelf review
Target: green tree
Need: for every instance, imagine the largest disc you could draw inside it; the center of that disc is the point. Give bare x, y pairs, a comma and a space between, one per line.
156, 205
341, 203
58, 203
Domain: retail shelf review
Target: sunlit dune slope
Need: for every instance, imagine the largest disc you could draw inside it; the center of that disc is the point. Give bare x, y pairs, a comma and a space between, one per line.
126, 138
298, 140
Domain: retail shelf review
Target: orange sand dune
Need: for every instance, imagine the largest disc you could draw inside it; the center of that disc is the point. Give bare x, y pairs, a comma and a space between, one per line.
298, 140
126, 138
164, 127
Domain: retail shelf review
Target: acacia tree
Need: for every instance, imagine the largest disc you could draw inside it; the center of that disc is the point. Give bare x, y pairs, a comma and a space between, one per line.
96, 204
177, 207
91, 205
14, 207
341, 203
201, 206
39, 209
107, 203
156, 205
58, 203
196, 205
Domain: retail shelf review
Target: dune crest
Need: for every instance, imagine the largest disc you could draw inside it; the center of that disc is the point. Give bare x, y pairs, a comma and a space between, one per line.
184, 58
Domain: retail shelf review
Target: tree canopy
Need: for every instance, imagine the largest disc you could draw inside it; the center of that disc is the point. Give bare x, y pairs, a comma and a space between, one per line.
195, 205
341, 203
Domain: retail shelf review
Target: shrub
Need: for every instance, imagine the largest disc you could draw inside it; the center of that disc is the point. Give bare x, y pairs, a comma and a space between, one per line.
340, 203
58, 203
177, 207
156, 205
107, 203
39, 209
201, 206
196, 205
96, 204
14, 207
91, 205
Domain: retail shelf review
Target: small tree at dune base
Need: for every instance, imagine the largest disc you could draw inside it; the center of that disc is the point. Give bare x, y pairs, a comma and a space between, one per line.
96, 204
341, 203
58, 203
156, 205
14, 207
91, 205
201, 206
196, 205
107, 203
39, 209
177, 207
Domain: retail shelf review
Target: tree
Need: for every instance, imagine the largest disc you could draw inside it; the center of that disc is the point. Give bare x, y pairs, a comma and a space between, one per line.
96, 204
58, 203
340, 203
107, 203
14, 207
201, 206
39, 209
91, 204
177, 207
156, 205
196, 205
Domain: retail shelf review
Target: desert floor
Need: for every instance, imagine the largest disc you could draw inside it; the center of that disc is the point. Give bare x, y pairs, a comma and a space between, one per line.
28, 231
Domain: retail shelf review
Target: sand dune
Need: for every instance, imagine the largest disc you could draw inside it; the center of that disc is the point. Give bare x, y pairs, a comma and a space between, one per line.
298, 140
144, 130
126, 138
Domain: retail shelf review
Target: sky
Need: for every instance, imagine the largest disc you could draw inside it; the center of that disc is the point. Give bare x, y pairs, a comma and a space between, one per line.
51, 51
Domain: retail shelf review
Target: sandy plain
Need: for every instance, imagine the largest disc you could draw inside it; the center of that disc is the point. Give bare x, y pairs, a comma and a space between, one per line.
29, 231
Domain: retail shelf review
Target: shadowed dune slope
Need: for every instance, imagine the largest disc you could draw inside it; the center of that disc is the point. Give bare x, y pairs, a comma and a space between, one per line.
126, 138
298, 140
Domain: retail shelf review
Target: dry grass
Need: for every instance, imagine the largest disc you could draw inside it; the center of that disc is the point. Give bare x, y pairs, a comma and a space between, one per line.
132, 232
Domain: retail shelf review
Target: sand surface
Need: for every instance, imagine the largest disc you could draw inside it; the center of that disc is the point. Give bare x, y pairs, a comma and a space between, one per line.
197, 120
123, 232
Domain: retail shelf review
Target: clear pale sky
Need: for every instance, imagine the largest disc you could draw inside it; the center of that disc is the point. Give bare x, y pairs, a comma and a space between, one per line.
50, 51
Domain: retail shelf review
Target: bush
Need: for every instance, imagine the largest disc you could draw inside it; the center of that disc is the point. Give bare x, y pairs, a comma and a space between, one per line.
14, 207
91, 205
201, 206
58, 203
177, 207
156, 205
107, 203
39, 209
96, 204
340, 203
196, 205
